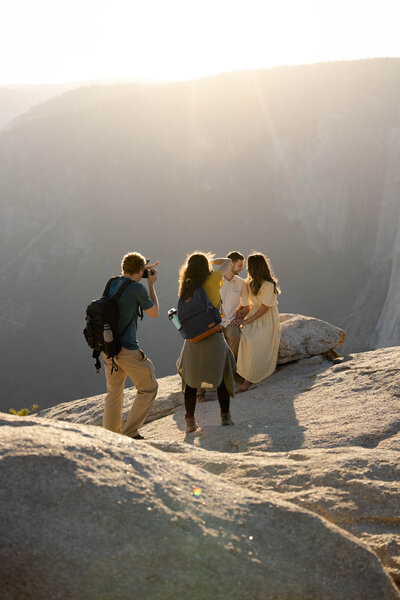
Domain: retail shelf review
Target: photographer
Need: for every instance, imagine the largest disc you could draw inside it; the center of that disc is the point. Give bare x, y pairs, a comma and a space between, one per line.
131, 361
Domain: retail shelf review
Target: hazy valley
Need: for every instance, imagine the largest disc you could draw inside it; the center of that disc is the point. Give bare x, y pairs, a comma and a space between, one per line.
299, 162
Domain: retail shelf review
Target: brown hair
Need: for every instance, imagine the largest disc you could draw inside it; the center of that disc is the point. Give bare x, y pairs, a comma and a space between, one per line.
260, 270
235, 256
193, 273
132, 263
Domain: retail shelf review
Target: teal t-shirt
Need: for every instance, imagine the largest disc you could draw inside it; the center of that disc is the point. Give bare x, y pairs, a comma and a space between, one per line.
133, 296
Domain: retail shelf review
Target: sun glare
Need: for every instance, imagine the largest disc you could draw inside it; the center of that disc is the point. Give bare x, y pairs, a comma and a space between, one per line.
182, 39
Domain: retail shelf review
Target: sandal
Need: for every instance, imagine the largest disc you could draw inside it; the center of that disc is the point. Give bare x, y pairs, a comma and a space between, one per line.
245, 387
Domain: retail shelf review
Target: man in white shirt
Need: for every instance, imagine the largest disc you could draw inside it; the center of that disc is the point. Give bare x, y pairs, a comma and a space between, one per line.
235, 301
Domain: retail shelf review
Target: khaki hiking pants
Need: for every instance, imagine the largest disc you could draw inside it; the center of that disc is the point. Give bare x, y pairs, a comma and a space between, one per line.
140, 370
232, 336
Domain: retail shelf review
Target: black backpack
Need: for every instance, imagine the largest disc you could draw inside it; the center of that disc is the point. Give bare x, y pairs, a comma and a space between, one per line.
101, 313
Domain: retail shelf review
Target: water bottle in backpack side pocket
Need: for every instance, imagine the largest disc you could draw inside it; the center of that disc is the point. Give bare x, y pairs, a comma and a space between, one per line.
108, 339
173, 316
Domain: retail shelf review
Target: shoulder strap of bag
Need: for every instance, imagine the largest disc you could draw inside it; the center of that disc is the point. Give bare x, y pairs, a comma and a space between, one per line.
204, 296
108, 285
120, 290
208, 304
117, 296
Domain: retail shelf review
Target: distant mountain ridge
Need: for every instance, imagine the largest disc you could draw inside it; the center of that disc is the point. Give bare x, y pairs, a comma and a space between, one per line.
16, 100
299, 162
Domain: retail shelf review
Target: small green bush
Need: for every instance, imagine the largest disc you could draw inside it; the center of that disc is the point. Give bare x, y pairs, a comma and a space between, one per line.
22, 412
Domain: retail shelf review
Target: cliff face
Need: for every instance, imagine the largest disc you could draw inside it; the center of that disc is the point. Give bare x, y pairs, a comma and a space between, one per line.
299, 162
384, 285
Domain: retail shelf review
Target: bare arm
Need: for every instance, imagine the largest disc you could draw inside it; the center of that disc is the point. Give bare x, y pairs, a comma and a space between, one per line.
240, 321
262, 310
242, 311
153, 311
224, 264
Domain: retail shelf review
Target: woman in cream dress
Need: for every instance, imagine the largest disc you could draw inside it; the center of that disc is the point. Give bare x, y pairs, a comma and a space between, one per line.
260, 329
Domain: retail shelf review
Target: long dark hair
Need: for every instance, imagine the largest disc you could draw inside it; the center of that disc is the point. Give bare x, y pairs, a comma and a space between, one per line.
260, 270
193, 273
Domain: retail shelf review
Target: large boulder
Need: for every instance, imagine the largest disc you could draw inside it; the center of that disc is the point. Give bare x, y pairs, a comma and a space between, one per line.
85, 513
303, 337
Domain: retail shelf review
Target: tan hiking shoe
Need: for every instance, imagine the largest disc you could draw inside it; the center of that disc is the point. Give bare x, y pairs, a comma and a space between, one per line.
191, 424
226, 420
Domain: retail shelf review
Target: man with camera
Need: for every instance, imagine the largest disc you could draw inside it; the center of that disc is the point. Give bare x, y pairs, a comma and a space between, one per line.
131, 361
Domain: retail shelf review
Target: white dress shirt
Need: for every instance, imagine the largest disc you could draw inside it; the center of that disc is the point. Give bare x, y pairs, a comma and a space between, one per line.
233, 294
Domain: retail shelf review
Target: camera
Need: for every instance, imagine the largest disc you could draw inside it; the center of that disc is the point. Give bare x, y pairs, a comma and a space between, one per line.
146, 273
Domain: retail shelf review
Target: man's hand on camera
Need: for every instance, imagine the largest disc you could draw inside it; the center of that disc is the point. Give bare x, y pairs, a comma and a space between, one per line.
152, 278
149, 267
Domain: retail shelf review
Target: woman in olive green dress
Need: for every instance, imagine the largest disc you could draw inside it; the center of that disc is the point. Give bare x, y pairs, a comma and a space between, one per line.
208, 363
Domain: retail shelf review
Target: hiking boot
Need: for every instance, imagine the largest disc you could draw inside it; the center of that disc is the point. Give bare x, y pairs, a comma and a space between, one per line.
226, 420
191, 424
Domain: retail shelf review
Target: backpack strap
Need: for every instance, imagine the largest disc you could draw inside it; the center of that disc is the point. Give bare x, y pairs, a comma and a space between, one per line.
118, 294
108, 285
120, 290
124, 329
115, 298
208, 304
97, 364
204, 296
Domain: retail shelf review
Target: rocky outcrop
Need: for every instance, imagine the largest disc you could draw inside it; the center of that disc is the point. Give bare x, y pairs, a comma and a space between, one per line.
324, 437
89, 411
304, 405
303, 337
85, 513
355, 488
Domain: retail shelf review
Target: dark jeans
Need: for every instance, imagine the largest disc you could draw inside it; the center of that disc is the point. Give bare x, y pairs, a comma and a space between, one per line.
190, 399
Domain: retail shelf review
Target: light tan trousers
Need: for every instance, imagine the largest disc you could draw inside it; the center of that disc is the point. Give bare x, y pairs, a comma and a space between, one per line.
140, 370
232, 336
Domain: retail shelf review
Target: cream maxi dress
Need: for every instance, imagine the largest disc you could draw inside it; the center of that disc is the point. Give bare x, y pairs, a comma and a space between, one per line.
259, 341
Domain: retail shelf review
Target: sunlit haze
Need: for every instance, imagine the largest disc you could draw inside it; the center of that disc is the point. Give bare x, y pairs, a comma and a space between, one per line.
56, 42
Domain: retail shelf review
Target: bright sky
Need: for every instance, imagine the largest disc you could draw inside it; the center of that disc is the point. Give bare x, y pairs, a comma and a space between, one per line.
56, 41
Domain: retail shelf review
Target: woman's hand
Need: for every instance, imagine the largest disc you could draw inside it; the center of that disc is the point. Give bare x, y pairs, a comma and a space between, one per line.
238, 322
242, 312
